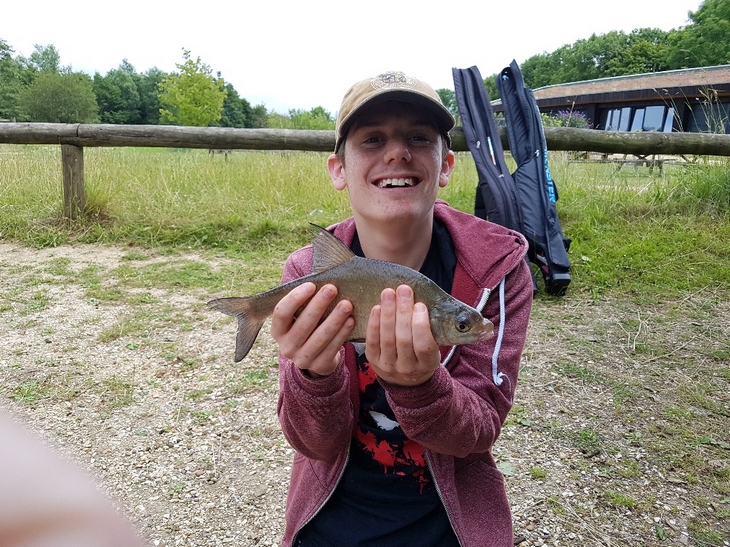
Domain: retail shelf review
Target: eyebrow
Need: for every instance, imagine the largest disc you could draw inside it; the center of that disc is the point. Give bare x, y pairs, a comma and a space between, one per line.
366, 124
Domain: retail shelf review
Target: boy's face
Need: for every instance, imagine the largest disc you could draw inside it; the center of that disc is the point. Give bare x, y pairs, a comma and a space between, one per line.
393, 163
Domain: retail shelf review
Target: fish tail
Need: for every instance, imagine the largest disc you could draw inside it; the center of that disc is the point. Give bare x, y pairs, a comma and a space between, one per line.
249, 323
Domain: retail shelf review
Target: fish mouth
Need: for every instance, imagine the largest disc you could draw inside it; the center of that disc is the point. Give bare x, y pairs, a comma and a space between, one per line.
487, 333
397, 182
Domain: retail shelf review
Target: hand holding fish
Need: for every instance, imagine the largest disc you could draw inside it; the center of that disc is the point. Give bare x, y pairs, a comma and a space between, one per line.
311, 343
399, 343
356, 282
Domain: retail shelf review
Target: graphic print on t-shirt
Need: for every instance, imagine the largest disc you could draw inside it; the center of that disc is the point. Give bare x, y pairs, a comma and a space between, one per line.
381, 442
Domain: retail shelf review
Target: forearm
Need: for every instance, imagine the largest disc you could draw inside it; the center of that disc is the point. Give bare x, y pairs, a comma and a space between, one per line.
461, 410
316, 414
445, 416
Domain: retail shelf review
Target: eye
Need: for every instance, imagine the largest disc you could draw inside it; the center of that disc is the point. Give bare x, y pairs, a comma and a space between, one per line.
421, 139
462, 327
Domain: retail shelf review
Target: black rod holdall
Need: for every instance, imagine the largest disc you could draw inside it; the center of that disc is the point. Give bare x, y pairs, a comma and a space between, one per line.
525, 199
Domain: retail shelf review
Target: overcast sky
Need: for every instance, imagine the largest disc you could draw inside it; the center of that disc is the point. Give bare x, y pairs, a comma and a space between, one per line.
306, 53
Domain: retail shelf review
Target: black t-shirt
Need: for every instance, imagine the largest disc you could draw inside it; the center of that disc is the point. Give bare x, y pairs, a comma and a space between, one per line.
386, 496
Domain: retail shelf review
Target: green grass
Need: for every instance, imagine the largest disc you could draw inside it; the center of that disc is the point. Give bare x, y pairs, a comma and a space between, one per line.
633, 234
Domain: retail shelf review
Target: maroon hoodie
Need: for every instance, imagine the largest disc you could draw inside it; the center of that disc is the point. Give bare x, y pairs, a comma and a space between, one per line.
457, 415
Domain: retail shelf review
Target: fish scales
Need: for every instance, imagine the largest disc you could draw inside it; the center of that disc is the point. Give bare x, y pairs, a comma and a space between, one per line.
361, 281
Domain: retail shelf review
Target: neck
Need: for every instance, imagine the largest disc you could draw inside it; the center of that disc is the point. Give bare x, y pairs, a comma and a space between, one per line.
405, 243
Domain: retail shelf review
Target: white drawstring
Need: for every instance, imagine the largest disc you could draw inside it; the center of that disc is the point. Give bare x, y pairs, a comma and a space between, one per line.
496, 375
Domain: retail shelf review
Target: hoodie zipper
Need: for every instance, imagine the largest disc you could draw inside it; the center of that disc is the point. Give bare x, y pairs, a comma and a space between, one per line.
441, 497
321, 505
479, 307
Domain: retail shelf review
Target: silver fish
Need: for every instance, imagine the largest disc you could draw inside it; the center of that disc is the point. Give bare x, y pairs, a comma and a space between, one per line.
359, 280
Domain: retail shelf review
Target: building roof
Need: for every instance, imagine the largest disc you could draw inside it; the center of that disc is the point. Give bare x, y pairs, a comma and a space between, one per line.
672, 84
698, 77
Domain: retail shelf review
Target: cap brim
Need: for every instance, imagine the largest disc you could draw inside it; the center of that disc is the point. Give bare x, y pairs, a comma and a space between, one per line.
444, 120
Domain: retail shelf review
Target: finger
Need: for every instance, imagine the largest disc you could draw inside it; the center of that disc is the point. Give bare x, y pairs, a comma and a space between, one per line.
424, 345
287, 307
313, 312
372, 336
403, 327
388, 350
329, 358
320, 352
291, 335
329, 328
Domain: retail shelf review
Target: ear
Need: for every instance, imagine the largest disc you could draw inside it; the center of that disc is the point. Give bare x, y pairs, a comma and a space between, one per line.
447, 166
337, 172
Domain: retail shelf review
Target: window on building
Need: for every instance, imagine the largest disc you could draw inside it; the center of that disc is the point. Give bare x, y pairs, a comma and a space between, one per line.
714, 117
669, 121
638, 122
623, 123
654, 118
610, 125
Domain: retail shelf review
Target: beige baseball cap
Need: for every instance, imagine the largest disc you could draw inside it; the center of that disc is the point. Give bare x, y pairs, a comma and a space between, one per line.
391, 86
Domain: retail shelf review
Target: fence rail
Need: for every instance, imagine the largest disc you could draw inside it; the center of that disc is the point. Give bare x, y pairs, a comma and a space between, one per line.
74, 137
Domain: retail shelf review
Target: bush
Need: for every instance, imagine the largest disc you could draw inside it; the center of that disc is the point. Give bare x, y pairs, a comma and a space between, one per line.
567, 118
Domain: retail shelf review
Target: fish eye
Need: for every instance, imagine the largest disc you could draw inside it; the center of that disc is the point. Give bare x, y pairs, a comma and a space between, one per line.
462, 327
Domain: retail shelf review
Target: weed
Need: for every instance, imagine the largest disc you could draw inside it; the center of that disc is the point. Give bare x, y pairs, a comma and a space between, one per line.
705, 535
573, 370
117, 392
198, 394
629, 468
554, 503
587, 441
620, 500
29, 393
155, 199
37, 302
252, 379
201, 417
538, 473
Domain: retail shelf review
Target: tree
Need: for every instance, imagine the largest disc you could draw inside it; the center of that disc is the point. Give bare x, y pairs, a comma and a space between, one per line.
647, 50
491, 84
192, 96
60, 98
316, 118
600, 56
706, 41
11, 82
236, 110
118, 96
448, 97
46, 58
541, 70
259, 116
148, 85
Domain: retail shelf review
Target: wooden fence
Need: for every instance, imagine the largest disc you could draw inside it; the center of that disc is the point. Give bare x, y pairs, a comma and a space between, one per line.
74, 137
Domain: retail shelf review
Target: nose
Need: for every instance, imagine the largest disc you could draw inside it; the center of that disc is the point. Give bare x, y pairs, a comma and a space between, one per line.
397, 150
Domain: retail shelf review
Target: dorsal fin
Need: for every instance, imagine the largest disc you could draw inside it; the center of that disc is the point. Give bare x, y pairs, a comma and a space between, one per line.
328, 251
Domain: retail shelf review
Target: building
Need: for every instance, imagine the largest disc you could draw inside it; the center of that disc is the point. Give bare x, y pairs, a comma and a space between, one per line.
690, 100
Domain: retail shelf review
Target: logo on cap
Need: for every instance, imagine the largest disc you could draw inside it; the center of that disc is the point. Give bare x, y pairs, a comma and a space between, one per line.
393, 80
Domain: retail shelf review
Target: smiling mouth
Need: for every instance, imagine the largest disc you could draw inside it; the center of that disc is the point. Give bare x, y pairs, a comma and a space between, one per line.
397, 183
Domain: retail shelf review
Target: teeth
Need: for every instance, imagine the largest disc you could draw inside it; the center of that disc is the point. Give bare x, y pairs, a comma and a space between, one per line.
390, 183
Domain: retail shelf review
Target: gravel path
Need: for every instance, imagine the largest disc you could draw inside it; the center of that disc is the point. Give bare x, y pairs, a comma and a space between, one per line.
142, 393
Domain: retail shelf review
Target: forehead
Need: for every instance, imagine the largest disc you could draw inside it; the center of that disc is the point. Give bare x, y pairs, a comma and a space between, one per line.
393, 113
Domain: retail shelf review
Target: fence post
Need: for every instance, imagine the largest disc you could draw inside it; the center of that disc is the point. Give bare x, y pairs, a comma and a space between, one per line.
74, 195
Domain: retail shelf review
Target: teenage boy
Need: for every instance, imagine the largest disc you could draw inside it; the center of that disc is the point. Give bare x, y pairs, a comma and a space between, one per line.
394, 437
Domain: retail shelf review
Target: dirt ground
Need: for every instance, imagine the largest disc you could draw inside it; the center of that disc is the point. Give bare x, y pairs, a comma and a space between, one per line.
601, 448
